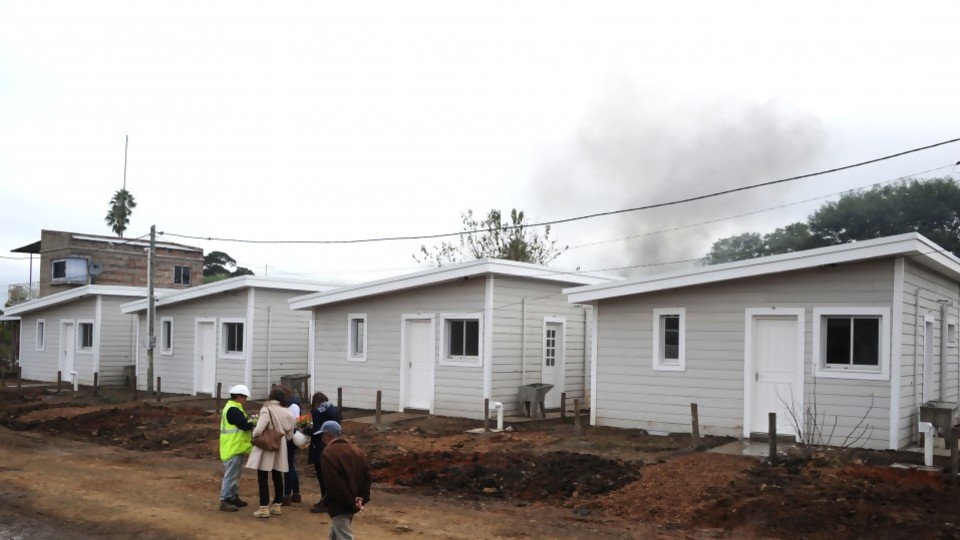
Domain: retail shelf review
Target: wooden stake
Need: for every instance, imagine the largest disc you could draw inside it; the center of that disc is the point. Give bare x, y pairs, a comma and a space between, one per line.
134, 386
19, 378
96, 382
563, 407
158, 389
59, 378
377, 421
773, 438
219, 388
954, 458
340, 398
695, 419
577, 430
486, 415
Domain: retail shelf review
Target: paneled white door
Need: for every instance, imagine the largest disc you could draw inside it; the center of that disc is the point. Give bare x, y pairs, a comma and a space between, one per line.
206, 357
553, 357
777, 387
418, 359
67, 348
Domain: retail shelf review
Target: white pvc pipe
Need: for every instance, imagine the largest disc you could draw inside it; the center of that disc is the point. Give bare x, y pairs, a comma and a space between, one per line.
497, 406
929, 434
76, 381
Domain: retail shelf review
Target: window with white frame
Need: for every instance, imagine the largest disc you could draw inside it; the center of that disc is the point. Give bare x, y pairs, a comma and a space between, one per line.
462, 340
68, 270
85, 337
231, 338
851, 342
181, 275
357, 337
41, 328
669, 339
166, 335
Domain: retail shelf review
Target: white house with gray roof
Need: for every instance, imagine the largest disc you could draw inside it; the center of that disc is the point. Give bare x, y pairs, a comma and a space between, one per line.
860, 335
444, 339
78, 331
235, 331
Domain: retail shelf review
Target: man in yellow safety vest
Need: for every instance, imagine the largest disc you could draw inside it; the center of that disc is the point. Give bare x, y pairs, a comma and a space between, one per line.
235, 444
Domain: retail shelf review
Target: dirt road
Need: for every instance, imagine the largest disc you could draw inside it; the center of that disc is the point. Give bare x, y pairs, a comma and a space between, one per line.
88, 490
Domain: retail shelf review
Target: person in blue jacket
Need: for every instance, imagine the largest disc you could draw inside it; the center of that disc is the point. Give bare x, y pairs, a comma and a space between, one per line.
321, 410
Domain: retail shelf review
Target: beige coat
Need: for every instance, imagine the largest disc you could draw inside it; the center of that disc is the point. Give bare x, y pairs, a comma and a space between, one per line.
266, 460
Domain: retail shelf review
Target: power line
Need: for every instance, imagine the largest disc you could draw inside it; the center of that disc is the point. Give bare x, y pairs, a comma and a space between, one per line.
571, 219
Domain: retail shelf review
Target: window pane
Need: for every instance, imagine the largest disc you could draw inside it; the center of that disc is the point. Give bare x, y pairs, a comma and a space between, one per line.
167, 338
358, 329
838, 340
86, 335
866, 342
671, 336
456, 338
59, 269
234, 337
472, 339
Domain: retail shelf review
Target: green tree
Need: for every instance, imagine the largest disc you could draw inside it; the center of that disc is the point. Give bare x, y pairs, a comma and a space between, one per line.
121, 206
218, 265
494, 238
929, 207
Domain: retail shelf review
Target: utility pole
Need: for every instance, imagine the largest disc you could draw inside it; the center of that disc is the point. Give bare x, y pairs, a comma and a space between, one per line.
151, 339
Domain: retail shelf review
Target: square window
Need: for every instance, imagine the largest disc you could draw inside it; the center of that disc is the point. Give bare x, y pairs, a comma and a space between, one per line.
233, 338
59, 270
464, 338
669, 329
357, 337
70, 270
460, 340
86, 336
181, 275
851, 343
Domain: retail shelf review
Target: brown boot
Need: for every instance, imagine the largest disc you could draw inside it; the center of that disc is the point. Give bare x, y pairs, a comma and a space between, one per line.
295, 498
286, 501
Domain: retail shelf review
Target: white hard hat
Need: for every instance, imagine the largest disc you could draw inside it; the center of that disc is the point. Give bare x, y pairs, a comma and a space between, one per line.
240, 390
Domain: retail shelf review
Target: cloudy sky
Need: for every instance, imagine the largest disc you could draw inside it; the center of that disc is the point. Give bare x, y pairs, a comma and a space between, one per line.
330, 121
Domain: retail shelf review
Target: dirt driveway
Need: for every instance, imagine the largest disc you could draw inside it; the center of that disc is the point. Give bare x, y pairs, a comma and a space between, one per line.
80, 466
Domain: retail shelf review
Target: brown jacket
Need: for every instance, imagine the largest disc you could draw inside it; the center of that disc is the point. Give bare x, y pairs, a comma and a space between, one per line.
347, 475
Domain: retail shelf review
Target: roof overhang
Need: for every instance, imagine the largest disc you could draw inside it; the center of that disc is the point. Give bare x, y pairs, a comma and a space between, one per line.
75, 294
915, 246
445, 274
231, 284
29, 248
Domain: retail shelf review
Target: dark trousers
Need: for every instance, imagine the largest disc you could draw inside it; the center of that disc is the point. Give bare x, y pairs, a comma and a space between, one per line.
265, 487
291, 482
323, 487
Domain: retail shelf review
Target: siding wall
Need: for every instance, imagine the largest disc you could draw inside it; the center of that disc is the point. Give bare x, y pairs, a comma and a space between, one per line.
542, 299
458, 391
272, 318
631, 394
921, 291
113, 335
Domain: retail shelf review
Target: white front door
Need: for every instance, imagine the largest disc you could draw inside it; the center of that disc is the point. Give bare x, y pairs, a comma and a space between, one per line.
67, 346
418, 362
777, 362
206, 357
553, 357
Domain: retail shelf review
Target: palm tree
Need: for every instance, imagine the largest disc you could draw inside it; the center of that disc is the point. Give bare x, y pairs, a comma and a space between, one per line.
121, 206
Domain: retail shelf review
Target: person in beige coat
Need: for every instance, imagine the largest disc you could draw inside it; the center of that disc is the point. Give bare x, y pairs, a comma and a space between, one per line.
273, 416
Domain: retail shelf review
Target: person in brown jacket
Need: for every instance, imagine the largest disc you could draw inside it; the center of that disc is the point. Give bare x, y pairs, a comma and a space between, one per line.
347, 477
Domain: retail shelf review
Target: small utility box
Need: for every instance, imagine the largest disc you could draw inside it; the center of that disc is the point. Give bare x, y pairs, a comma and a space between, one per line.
128, 373
297, 383
532, 395
942, 414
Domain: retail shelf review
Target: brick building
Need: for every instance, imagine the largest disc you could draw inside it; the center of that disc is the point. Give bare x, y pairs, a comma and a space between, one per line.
70, 260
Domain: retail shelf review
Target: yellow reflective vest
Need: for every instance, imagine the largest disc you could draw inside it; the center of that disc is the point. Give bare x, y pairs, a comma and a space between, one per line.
233, 440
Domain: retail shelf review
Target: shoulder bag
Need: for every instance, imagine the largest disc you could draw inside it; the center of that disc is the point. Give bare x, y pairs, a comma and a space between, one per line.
270, 438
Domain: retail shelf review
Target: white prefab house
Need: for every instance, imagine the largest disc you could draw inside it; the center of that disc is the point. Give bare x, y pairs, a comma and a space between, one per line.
235, 331
444, 339
860, 334
80, 331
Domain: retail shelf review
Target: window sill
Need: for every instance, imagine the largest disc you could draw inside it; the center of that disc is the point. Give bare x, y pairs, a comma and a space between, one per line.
853, 374
356, 358
667, 367
232, 356
462, 361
